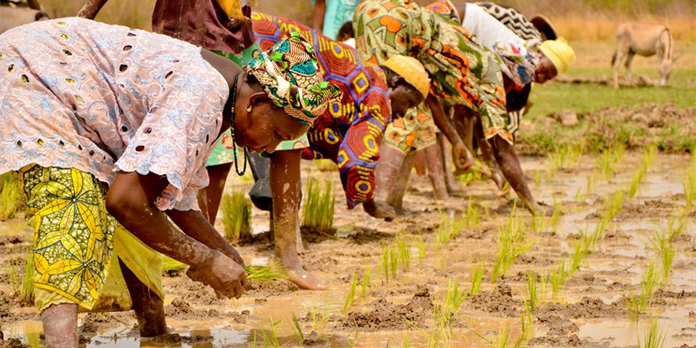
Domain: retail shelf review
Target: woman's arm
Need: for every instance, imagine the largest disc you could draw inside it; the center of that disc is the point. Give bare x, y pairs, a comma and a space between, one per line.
131, 201
91, 8
461, 156
319, 13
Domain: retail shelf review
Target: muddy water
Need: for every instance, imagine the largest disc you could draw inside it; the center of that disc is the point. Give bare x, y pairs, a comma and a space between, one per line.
589, 310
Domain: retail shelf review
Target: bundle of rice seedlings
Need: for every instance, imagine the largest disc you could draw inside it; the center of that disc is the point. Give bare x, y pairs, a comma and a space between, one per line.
266, 273
171, 266
236, 216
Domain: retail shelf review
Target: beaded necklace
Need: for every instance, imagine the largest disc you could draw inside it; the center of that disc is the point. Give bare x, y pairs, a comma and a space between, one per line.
234, 101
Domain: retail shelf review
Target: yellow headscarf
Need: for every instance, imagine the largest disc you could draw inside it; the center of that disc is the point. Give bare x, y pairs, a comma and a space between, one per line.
412, 71
559, 53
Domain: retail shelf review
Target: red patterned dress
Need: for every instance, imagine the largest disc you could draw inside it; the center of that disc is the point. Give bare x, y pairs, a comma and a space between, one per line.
350, 131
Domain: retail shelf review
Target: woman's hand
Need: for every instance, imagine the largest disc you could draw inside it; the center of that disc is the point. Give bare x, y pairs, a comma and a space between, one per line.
461, 157
222, 274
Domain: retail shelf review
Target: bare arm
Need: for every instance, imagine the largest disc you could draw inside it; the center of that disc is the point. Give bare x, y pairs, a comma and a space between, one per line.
462, 157
131, 201
319, 12
90, 9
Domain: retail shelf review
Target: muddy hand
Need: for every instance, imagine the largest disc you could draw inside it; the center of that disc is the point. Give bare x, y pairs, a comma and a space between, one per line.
221, 273
463, 160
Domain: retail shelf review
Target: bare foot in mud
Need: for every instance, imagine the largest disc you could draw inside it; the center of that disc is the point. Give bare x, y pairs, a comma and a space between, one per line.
304, 280
379, 210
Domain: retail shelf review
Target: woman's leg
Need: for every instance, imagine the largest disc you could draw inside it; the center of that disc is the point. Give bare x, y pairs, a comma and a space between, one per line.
148, 307
60, 325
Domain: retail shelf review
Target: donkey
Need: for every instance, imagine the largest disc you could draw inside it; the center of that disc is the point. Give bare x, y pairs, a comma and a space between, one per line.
645, 40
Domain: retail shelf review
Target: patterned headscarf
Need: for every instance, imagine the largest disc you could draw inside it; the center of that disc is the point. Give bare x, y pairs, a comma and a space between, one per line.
290, 75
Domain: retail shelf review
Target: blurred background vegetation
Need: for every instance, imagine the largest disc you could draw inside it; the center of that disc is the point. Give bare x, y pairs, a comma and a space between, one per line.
577, 20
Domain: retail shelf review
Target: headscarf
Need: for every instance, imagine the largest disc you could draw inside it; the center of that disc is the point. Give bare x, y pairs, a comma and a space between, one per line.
559, 53
411, 70
289, 73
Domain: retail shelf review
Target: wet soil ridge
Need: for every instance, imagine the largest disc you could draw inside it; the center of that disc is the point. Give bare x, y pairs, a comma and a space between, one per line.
382, 314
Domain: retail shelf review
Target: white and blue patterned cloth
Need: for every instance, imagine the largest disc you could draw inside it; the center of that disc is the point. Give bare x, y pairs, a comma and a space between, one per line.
101, 98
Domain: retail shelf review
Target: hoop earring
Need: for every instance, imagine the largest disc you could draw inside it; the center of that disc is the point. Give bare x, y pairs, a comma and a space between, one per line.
249, 107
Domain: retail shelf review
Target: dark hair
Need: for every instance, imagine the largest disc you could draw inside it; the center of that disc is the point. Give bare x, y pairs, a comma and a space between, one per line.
390, 74
346, 29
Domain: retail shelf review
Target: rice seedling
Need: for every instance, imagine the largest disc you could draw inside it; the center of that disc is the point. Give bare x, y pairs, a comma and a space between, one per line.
579, 254
555, 217
270, 339
659, 241
558, 278
449, 229
613, 205
648, 157
263, 274
512, 242
407, 342
27, 289
318, 211
393, 261
543, 287
420, 246
532, 294
299, 334
579, 196
172, 266
473, 215
404, 252
13, 274
10, 197
538, 223
676, 224
537, 178
590, 182
654, 337
605, 162
477, 272
384, 262
435, 334
453, 300
352, 341
351, 294
635, 182
366, 279
649, 284
319, 318
690, 186
236, 216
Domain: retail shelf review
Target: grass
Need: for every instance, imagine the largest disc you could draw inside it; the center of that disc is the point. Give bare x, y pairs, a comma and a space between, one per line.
10, 198
299, 334
473, 215
318, 211
236, 216
653, 337
512, 242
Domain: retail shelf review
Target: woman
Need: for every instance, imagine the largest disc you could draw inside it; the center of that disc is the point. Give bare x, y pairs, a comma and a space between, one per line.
108, 126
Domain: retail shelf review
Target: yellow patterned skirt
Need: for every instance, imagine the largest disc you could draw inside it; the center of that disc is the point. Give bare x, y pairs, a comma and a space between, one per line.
76, 242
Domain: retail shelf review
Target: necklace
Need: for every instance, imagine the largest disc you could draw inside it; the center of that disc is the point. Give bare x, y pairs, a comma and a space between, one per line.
234, 101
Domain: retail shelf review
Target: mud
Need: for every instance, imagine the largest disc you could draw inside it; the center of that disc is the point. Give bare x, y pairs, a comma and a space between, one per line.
589, 311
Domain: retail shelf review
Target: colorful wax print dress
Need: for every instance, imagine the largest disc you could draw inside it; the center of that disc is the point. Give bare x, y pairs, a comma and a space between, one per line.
350, 131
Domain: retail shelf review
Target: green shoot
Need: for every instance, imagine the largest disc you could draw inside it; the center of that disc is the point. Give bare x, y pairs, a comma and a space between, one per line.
384, 262
366, 279
270, 339
512, 243
477, 272
454, 298
531, 291
236, 216
537, 178
654, 337
351, 294
404, 252
558, 278
420, 245
448, 230
649, 284
660, 242
407, 342
635, 182
10, 197
298, 329
318, 212
472, 216
579, 196
543, 288
267, 273
393, 261
690, 186
352, 341
605, 162
27, 289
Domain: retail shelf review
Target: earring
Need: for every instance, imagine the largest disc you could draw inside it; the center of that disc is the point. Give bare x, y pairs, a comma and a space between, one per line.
248, 108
